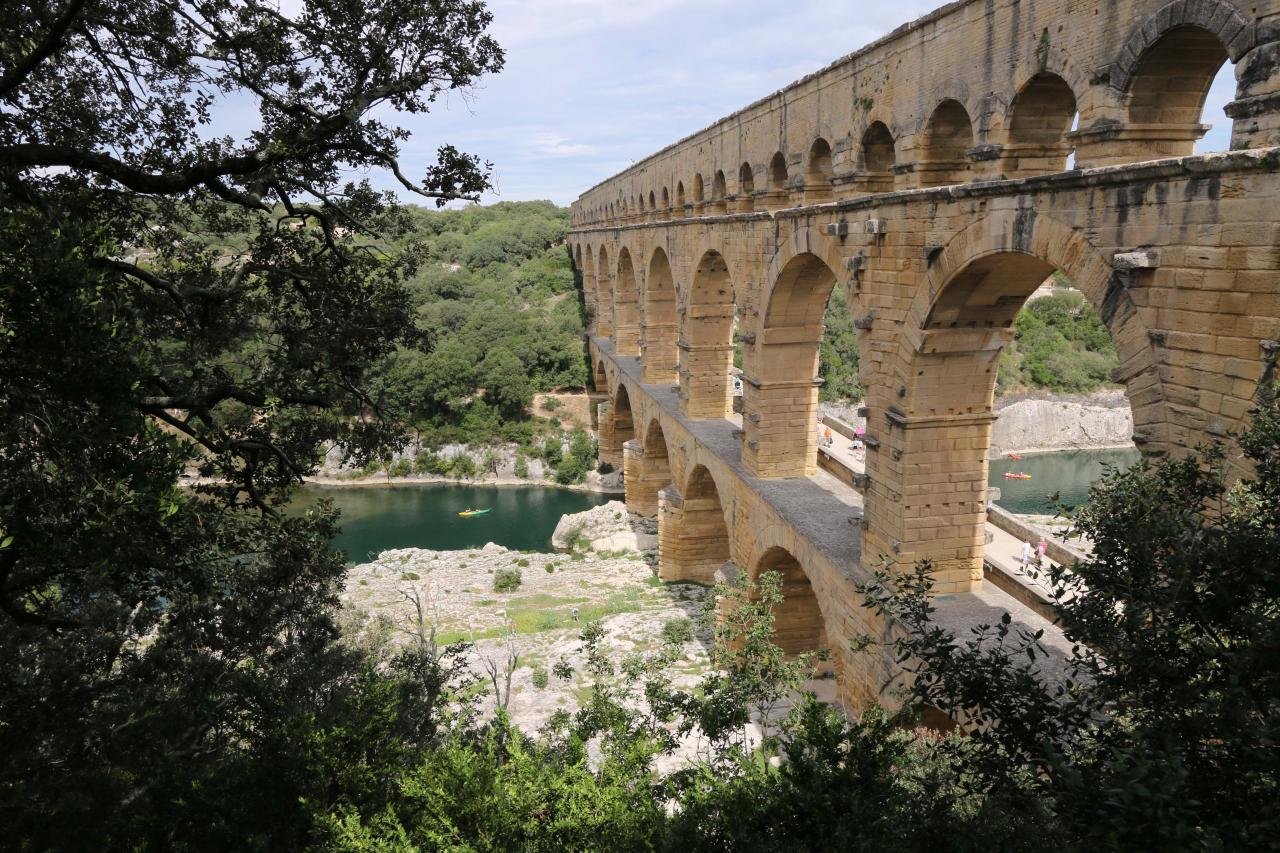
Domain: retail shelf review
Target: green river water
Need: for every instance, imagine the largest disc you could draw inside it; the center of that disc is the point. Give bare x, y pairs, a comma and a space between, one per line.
379, 518
1069, 473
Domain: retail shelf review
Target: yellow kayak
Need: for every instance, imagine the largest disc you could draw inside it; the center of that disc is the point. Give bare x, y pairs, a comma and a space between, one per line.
467, 513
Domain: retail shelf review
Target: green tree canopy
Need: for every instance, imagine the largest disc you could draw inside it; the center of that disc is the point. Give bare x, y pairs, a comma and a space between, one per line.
174, 298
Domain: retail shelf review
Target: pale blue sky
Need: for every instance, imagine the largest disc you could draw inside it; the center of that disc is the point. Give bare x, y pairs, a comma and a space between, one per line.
591, 86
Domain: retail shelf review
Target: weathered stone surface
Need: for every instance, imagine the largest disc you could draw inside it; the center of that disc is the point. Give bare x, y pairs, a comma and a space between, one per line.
949, 164
608, 527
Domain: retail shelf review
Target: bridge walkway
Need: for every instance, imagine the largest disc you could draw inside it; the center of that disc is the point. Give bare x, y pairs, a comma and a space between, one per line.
825, 511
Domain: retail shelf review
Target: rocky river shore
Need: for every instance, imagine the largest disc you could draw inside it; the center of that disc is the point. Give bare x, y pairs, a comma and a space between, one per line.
460, 595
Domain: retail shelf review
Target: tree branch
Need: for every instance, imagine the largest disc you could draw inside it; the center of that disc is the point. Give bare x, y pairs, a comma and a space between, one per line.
22, 69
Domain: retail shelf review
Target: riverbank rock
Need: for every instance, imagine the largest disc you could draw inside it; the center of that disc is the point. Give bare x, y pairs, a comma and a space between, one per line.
609, 528
1060, 422
540, 620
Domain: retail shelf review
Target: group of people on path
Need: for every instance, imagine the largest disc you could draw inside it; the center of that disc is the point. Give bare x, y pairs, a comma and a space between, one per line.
827, 439
1034, 555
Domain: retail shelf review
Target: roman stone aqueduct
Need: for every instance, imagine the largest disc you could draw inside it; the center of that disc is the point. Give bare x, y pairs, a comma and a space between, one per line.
927, 174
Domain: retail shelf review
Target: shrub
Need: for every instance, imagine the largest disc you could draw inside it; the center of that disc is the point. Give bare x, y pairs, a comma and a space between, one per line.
551, 567
400, 468
410, 576
522, 466
677, 631
605, 468
462, 467
426, 462
552, 452
540, 679
522, 563
552, 403
490, 461
507, 580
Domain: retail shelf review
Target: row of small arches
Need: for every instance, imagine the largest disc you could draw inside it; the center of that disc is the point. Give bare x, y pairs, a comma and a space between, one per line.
1166, 89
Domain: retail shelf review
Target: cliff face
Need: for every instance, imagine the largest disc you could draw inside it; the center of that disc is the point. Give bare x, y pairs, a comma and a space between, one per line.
1050, 422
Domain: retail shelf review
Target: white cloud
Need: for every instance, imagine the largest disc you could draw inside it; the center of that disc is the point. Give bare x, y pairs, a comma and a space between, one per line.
555, 145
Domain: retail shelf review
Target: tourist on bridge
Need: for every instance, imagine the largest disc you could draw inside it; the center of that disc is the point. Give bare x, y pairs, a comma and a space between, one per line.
1026, 555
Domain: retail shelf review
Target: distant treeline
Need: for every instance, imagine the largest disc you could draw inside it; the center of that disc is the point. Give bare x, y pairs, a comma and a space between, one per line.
500, 319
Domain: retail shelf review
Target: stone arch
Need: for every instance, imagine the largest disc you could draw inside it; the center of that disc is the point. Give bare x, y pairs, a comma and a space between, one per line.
698, 191
658, 333
647, 470
777, 192
666, 202
588, 285
878, 158
680, 204
818, 172
719, 189
1037, 127
955, 331
600, 379
706, 341
604, 295
948, 136
653, 205
798, 624
591, 289
780, 385
1218, 19
693, 534
617, 427
1027, 232
746, 188
1166, 89
778, 172
626, 307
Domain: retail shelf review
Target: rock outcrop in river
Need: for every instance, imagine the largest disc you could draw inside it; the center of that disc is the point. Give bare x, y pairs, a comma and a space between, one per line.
608, 528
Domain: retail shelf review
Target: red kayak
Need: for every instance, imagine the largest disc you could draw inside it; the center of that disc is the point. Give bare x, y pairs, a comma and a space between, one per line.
1009, 475
1015, 456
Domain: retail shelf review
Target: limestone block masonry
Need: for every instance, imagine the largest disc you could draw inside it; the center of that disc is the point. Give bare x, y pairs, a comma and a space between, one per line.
926, 175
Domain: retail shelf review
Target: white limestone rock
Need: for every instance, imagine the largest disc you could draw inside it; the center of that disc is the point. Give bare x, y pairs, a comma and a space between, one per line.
1055, 422
608, 527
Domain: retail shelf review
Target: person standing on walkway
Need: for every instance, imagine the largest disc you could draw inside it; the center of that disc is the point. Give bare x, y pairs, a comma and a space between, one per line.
1042, 548
1026, 554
